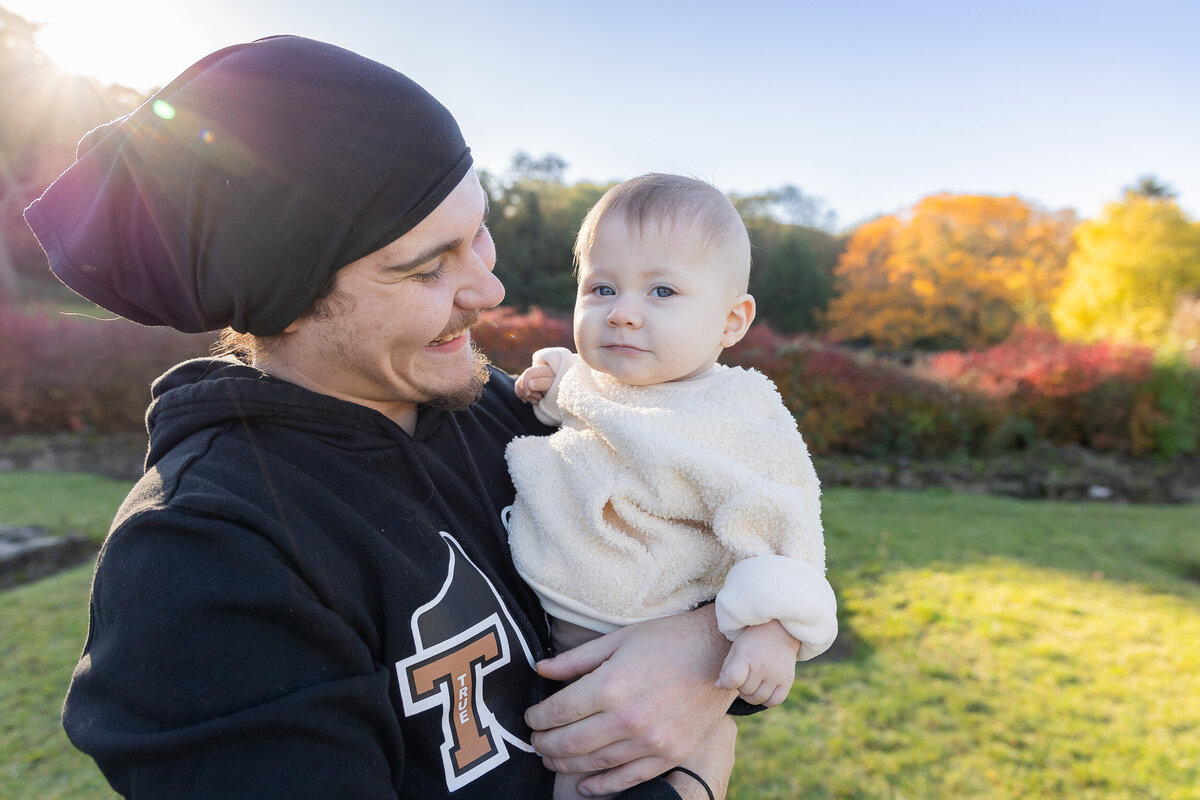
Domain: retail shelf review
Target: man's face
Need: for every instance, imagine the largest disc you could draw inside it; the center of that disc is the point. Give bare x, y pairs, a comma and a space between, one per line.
396, 332
653, 306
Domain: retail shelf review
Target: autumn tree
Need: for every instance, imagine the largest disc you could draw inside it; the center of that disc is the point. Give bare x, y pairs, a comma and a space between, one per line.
1134, 275
43, 114
955, 271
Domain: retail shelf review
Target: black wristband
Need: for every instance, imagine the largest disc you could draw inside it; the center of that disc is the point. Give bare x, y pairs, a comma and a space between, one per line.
687, 771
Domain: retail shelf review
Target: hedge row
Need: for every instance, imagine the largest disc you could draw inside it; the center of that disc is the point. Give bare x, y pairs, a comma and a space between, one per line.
1031, 388
69, 373
63, 372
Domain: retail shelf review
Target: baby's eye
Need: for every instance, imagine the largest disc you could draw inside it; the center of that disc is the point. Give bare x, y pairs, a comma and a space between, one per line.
662, 291
604, 291
430, 276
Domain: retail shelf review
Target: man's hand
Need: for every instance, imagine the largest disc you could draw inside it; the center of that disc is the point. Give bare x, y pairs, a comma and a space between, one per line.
533, 383
646, 698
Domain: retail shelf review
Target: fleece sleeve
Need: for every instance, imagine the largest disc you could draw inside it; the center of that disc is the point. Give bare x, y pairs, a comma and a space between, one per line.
211, 670
763, 588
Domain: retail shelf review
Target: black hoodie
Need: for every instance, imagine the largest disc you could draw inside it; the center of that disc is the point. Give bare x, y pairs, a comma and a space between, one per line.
300, 600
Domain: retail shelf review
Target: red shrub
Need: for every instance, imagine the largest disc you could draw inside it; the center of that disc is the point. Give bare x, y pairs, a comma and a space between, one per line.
510, 337
1103, 396
843, 402
60, 372
70, 373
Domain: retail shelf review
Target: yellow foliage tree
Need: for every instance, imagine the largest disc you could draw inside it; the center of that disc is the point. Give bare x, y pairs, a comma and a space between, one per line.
955, 271
1134, 270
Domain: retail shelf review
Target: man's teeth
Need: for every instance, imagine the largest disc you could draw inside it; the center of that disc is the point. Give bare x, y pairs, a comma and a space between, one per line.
447, 338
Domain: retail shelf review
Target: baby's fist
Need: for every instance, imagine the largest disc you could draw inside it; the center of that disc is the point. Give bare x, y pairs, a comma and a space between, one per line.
533, 383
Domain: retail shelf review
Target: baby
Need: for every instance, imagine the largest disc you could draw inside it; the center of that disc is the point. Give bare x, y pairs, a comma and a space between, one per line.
673, 480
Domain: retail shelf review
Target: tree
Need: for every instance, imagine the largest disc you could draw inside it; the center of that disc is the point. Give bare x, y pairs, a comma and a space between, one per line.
793, 255
955, 271
788, 205
1134, 270
43, 113
534, 219
1151, 186
792, 274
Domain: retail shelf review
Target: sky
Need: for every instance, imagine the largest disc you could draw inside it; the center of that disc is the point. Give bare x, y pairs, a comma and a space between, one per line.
868, 106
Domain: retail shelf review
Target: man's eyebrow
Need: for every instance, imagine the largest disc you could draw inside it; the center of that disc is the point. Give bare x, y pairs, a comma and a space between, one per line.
436, 250
424, 256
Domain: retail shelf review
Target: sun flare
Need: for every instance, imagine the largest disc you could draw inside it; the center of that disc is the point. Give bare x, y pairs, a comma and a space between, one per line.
137, 43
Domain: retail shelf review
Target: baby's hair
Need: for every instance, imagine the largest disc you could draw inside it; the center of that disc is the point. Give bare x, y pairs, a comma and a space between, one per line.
656, 199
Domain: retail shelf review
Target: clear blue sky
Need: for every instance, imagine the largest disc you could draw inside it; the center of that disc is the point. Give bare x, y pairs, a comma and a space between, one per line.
868, 105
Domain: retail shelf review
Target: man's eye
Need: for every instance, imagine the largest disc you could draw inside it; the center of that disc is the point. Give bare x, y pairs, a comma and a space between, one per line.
431, 276
662, 291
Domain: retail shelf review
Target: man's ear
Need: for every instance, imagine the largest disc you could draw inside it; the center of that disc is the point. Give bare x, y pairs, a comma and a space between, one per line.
295, 326
741, 315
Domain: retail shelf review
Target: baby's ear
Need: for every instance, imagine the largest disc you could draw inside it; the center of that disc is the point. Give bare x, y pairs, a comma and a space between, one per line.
741, 314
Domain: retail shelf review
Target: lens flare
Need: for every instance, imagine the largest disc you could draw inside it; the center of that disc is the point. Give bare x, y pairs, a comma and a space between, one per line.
164, 109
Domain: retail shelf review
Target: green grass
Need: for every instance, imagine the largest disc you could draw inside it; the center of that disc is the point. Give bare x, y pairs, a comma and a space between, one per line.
999, 649
993, 649
42, 628
62, 503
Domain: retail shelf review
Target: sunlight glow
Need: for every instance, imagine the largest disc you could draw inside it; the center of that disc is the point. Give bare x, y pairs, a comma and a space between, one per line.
137, 43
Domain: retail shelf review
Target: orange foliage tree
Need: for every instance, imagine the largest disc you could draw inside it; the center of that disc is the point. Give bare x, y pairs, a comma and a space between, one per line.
954, 271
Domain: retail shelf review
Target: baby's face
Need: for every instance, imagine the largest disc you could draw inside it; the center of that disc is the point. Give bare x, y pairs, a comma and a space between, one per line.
653, 306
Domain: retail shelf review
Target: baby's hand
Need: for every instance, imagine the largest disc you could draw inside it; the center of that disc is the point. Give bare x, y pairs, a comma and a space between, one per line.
534, 382
761, 664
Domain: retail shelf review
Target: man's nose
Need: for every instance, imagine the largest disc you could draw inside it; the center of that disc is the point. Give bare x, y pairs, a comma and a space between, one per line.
482, 289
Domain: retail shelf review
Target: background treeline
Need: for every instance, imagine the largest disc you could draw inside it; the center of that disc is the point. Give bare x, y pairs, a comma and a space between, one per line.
535, 215
963, 324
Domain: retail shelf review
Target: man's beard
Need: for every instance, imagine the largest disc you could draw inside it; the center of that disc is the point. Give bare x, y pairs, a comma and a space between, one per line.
469, 393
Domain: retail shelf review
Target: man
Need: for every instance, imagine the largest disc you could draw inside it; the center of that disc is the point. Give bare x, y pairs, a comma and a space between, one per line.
309, 594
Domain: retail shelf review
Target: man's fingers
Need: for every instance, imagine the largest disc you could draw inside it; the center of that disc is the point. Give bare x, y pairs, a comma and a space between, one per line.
606, 757
569, 746
577, 700
579, 660
561, 708
624, 776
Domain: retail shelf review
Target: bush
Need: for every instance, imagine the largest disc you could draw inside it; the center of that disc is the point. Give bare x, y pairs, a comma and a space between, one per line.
510, 337
1106, 397
75, 373
843, 402
1033, 387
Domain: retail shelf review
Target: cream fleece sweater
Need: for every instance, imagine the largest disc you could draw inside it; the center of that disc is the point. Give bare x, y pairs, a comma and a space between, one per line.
652, 499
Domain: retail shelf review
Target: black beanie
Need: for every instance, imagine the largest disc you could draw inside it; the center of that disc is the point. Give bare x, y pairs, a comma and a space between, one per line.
231, 196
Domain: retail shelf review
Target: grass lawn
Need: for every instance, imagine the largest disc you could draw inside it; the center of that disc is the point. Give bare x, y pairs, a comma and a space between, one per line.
992, 648
61, 502
1000, 649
